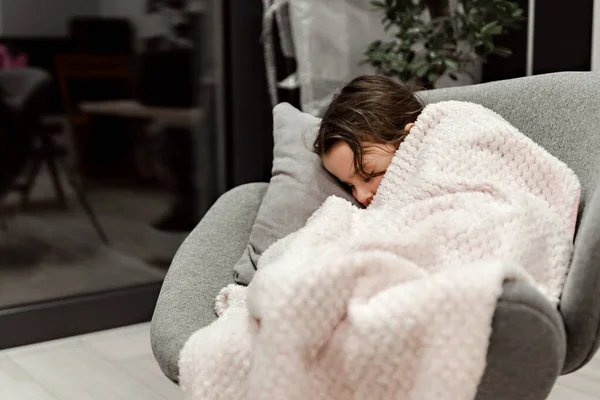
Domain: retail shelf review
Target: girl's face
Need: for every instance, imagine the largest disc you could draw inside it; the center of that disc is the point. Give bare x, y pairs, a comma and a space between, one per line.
339, 161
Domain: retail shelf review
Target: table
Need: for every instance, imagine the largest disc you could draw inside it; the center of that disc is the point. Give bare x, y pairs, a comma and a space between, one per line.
178, 117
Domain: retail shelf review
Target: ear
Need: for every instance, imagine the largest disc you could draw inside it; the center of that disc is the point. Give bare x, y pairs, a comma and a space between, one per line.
408, 127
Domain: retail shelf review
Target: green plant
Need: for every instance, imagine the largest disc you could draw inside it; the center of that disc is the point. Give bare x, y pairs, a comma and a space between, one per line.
423, 49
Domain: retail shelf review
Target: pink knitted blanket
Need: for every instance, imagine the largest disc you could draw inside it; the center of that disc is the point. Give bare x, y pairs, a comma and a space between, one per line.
396, 301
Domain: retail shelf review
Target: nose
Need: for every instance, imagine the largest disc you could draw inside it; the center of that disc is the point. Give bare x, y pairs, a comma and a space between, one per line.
363, 196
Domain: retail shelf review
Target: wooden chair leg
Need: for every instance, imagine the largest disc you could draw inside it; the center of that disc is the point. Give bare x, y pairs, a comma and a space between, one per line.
58, 189
32, 172
87, 207
49, 150
90, 212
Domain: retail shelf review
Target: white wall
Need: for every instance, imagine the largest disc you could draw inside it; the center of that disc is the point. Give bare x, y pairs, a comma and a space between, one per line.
46, 18
596, 37
50, 17
131, 9
134, 10
122, 8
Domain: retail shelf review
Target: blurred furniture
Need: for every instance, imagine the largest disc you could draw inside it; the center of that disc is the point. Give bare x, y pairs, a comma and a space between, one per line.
179, 117
29, 142
178, 125
74, 70
23, 94
532, 342
44, 150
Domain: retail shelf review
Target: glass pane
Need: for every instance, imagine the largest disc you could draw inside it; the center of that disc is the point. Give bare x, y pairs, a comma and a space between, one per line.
110, 113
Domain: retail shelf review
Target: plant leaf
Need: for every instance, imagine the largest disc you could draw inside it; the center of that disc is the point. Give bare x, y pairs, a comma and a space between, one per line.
433, 55
493, 28
503, 51
518, 13
476, 24
451, 64
449, 46
422, 70
432, 77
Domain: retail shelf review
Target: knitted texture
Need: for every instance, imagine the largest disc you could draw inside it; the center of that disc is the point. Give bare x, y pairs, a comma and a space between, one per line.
396, 301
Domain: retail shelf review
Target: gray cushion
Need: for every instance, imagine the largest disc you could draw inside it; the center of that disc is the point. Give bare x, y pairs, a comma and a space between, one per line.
201, 267
298, 186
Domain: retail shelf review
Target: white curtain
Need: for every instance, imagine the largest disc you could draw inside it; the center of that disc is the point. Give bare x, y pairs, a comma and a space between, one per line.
328, 39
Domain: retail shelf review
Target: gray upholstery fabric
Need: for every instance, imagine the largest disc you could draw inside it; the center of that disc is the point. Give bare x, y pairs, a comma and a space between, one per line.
528, 334
580, 303
561, 112
527, 347
299, 185
201, 267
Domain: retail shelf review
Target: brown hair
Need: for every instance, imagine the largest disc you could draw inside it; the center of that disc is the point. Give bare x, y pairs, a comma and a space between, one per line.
372, 109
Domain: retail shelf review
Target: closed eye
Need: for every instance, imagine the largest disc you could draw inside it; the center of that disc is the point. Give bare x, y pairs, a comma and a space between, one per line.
373, 174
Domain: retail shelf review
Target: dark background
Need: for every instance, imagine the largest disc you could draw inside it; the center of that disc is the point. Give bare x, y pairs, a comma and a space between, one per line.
562, 43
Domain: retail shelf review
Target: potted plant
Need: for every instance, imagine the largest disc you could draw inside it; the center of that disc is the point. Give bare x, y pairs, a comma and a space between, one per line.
430, 39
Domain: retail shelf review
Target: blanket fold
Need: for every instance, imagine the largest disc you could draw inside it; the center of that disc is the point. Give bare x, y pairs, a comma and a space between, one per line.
397, 300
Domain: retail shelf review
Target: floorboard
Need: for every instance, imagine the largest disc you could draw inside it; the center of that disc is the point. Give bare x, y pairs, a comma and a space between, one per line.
118, 365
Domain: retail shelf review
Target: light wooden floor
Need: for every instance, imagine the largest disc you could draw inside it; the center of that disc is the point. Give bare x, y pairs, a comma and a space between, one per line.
581, 385
111, 365
118, 365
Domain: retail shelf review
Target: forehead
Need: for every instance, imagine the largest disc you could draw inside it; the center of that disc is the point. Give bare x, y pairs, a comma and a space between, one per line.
339, 160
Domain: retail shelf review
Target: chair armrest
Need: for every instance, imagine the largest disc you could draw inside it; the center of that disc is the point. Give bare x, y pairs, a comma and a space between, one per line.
202, 266
527, 346
580, 302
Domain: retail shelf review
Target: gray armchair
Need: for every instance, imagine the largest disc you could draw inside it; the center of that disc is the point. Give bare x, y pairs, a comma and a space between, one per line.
532, 342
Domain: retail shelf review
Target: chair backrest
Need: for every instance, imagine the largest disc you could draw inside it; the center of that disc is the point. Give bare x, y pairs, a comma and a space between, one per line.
560, 112
72, 68
25, 92
23, 99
